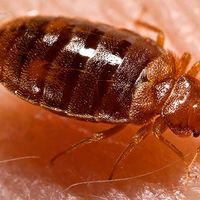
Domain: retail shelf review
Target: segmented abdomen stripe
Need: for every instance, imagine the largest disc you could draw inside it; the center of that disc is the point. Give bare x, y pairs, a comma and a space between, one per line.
94, 36
89, 91
8, 39
39, 58
67, 67
18, 56
75, 66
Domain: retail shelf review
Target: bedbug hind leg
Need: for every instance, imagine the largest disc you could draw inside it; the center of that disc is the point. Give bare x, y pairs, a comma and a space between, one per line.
94, 138
141, 134
160, 35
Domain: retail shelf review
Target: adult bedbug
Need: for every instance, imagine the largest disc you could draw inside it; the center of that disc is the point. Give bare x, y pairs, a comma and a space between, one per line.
99, 73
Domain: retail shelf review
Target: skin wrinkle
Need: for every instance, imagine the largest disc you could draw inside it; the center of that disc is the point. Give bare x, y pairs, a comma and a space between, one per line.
22, 133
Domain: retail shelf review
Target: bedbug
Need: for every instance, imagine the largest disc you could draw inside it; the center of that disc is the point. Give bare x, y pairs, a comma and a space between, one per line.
95, 72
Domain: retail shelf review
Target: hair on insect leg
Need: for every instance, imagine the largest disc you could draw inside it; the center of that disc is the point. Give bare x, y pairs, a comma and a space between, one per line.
94, 138
138, 137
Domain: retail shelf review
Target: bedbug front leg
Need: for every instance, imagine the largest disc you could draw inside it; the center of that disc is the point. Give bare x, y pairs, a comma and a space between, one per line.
94, 138
141, 134
192, 162
160, 35
159, 128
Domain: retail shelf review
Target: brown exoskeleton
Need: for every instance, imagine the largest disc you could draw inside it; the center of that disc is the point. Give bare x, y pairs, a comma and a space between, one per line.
99, 73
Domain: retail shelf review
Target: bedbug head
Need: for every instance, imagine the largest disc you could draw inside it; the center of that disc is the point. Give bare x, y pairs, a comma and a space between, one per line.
181, 111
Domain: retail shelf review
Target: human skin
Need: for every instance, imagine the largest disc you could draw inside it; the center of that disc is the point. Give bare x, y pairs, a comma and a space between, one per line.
151, 171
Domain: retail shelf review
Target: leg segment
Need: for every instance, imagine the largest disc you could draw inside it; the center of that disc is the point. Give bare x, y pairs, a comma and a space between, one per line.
193, 161
195, 69
159, 128
183, 63
94, 138
160, 37
137, 138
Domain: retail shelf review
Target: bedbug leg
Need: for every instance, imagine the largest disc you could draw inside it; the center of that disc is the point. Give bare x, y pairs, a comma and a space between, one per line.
159, 128
192, 162
183, 63
160, 35
195, 69
94, 138
137, 138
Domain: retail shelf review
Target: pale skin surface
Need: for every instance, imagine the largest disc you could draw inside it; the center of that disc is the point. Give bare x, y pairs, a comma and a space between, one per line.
27, 130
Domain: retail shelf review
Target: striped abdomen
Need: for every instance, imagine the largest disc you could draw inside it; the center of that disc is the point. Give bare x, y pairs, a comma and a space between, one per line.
74, 67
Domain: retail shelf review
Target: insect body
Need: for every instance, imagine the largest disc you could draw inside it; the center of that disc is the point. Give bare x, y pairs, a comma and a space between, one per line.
75, 67
95, 72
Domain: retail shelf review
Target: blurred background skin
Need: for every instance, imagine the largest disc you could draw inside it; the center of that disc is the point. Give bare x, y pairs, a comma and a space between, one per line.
150, 172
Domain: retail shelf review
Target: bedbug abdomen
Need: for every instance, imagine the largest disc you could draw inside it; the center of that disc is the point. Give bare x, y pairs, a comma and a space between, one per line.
75, 67
16, 39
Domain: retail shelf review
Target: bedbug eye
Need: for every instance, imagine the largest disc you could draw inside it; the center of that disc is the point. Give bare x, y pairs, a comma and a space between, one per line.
195, 133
